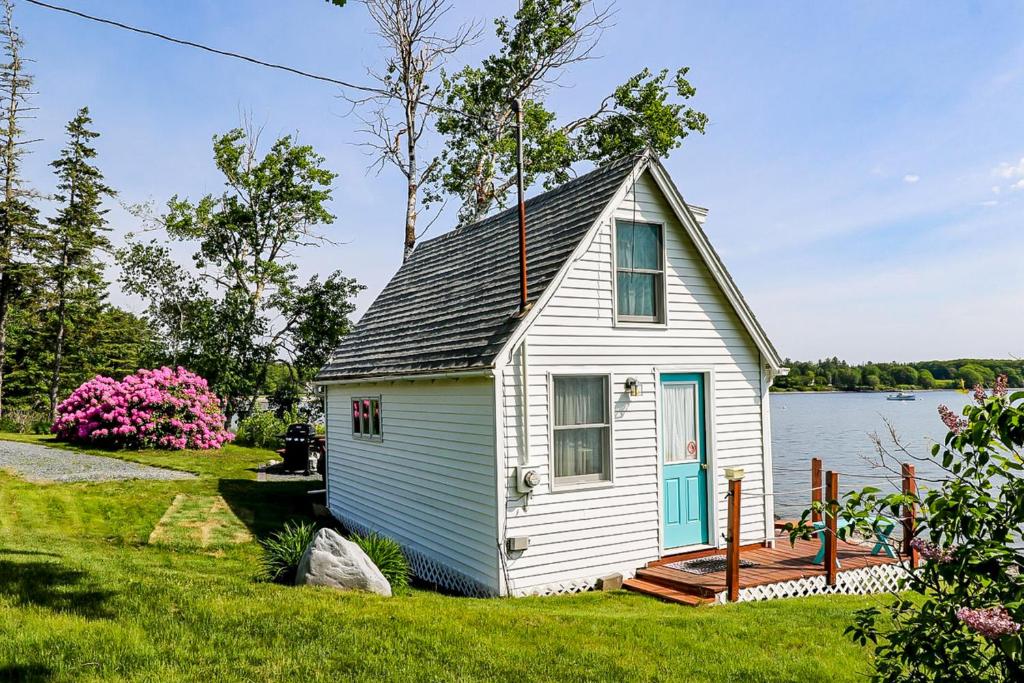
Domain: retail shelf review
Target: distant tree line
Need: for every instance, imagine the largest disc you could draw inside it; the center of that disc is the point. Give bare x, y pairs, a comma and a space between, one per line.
832, 374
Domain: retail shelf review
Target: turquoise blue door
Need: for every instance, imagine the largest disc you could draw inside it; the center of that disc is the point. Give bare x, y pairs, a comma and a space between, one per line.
684, 460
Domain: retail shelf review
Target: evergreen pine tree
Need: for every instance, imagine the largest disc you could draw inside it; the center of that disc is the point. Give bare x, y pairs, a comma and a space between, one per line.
70, 258
18, 218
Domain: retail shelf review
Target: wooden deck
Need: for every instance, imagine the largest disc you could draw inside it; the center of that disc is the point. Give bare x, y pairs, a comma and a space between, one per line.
784, 562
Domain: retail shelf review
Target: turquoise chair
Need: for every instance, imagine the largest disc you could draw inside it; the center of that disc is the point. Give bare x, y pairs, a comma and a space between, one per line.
883, 528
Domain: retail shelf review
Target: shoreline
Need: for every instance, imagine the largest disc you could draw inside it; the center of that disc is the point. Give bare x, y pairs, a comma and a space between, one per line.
858, 391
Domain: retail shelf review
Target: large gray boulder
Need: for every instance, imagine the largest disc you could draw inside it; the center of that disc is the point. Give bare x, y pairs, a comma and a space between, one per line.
330, 560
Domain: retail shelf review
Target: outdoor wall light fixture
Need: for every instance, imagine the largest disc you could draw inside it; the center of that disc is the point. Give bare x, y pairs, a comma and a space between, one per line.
633, 387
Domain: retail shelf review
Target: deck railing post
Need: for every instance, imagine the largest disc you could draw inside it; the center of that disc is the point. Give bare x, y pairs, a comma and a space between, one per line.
815, 488
909, 515
732, 556
831, 512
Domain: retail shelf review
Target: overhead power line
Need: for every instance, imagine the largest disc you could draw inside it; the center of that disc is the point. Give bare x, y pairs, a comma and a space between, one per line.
216, 51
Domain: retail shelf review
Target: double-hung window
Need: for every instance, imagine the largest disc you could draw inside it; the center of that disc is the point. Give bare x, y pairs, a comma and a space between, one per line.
581, 430
366, 421
639, 272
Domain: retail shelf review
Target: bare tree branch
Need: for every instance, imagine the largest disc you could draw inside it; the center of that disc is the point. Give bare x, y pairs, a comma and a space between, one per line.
416, 49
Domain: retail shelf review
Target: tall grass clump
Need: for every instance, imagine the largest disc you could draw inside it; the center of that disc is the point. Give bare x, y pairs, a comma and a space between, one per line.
283, 550
388, 556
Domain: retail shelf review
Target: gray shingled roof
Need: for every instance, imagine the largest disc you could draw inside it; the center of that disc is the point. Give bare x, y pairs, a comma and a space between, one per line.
452, 305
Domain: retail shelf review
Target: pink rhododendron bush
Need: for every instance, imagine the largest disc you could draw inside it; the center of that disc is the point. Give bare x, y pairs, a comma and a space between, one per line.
164, 408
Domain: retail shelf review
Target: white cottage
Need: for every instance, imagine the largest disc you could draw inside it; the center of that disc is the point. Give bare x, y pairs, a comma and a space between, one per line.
520, 453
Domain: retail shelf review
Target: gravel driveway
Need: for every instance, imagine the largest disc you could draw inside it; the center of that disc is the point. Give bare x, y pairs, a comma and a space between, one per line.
39, 463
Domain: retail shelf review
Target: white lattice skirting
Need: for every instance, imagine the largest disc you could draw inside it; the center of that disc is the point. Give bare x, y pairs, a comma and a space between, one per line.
428, 569
881, 578
558, 588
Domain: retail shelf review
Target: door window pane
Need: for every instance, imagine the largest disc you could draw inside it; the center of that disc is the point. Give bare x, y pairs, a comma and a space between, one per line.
682, 437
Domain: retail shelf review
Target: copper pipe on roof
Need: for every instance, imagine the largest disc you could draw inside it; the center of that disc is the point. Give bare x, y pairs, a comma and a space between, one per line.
523, 288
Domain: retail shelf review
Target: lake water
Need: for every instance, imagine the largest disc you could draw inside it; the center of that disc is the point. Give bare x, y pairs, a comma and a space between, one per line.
836, 427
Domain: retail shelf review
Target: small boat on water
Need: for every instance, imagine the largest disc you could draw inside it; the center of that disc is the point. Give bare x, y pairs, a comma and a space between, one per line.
901, 396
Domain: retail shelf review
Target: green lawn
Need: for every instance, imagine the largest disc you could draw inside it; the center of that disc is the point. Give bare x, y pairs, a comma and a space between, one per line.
84, 596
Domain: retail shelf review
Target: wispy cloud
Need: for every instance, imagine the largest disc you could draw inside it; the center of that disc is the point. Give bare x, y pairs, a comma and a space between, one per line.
1009, 171
911, 178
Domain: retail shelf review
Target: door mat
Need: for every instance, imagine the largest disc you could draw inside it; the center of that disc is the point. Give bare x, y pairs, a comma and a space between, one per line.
707, 565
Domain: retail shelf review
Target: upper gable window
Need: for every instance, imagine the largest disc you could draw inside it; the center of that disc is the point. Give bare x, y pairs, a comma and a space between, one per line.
640, 272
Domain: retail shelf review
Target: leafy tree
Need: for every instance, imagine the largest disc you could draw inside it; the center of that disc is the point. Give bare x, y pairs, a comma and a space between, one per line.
962, 618
848, 378
545, 37
18, 217
70, 264
244, 306
904, 374
971, 375
925, 379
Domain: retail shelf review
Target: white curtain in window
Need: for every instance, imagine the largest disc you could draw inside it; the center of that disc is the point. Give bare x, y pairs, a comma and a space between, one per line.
637, 294
580, 452
638, 247
580, 401
646, 247
681, 438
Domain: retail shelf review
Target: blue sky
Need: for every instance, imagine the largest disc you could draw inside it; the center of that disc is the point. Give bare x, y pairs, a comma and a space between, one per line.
864, 164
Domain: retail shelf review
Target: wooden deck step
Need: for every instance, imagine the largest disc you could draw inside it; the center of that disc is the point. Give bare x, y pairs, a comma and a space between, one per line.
675, 580
665, 593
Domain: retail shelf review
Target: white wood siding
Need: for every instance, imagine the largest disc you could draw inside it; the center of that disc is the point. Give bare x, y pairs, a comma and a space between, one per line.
430, 483
579, 535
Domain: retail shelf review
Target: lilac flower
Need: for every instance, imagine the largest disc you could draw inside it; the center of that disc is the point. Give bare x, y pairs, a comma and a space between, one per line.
1001, 386
979, 393
992, 622
953, 422
930, 551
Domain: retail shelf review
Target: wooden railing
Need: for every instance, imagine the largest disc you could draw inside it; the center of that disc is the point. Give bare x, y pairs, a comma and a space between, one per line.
829, 504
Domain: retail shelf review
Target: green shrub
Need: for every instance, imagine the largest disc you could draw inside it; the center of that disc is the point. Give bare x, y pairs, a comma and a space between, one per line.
25, 421
388, 556
283, 550
262, 430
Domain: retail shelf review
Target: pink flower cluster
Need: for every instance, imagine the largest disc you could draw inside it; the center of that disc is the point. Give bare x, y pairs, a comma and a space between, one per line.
998, 389
930, 551
164, 408
1001, 387
993, 622
953, 422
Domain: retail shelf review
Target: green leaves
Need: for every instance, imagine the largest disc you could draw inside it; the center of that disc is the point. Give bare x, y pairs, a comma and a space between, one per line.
969, 530
242, 307
649, 110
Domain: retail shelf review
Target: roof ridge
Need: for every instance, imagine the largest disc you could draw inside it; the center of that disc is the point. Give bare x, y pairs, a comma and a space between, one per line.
547, 194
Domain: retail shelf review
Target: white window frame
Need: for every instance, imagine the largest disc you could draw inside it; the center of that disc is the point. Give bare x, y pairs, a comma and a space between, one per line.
379, 435
603, 479
661, 291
